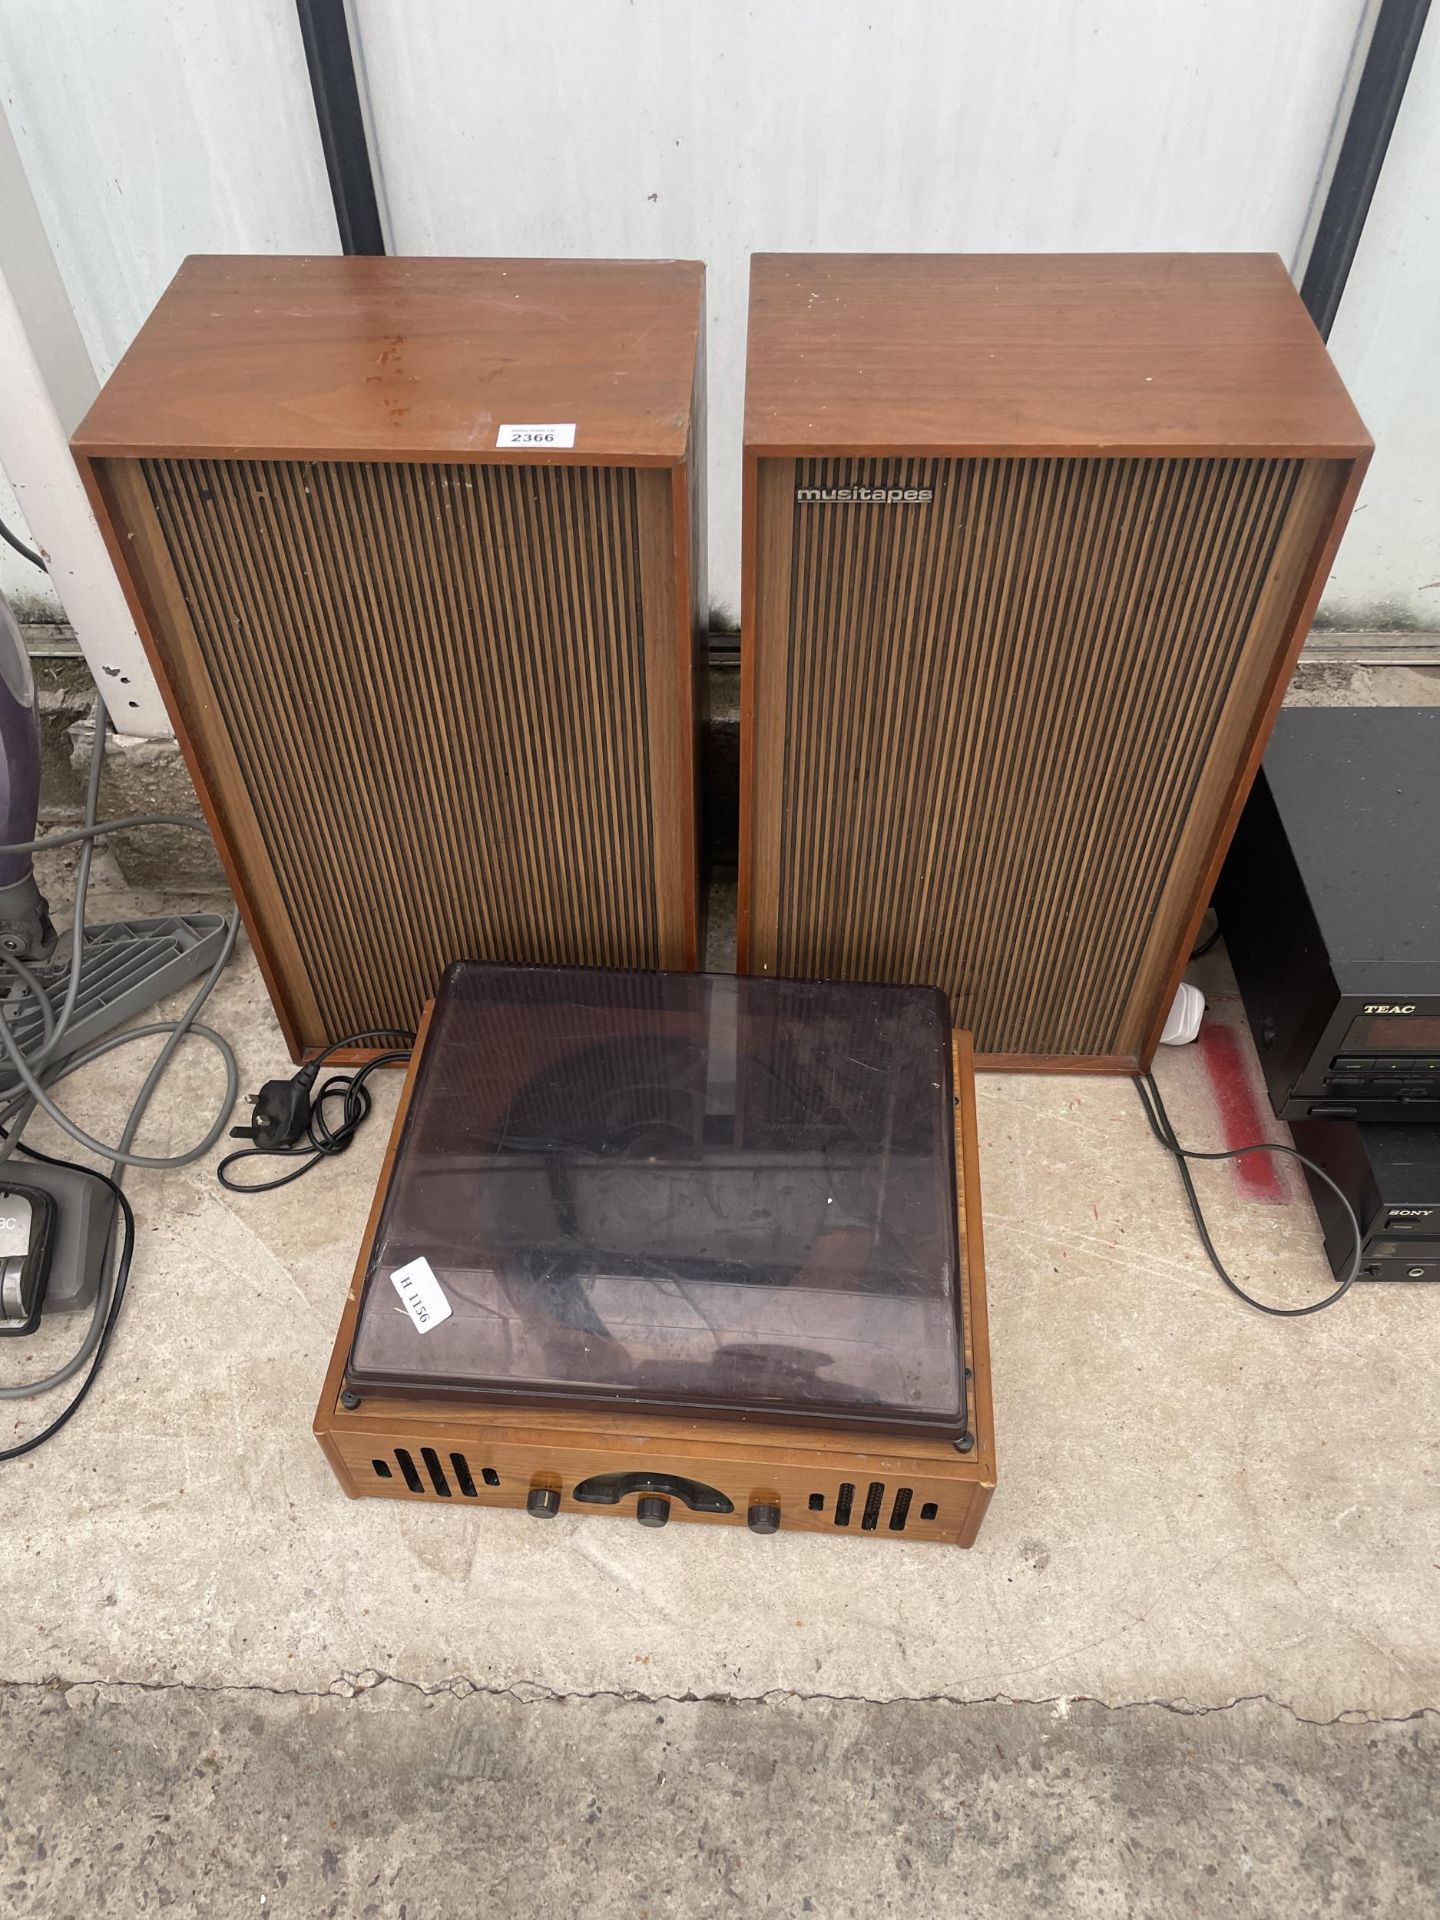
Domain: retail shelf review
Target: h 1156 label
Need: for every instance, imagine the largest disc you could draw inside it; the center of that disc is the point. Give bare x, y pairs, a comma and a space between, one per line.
423, 1296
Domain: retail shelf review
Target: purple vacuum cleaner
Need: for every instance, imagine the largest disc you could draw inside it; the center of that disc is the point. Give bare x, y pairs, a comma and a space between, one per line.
25, 928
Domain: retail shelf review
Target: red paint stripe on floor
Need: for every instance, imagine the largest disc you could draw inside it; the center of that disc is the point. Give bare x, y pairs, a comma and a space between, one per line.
1242, 1118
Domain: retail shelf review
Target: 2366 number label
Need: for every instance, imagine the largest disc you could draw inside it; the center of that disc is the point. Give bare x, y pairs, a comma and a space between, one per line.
549, 434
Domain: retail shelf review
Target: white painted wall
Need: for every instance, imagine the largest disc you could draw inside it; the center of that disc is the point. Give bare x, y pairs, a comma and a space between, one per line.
1386, 341
49, 382
690, 128
25, 587
146, 130
150, 129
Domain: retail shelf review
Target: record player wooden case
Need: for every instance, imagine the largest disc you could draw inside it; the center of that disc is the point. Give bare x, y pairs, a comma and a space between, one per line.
879, 1486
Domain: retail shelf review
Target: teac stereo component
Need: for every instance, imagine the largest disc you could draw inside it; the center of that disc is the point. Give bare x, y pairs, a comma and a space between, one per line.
1330, 907
414, 546
1031, 545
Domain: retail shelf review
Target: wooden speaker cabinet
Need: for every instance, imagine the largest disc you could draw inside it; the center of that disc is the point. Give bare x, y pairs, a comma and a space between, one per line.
415, 549
1031, 546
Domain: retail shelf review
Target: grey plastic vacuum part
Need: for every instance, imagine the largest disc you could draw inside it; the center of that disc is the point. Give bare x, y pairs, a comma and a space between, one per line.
84, 1222
125, 967
25, 928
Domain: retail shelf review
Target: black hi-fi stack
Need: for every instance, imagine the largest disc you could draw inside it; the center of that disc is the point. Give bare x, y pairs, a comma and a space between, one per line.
1330, 904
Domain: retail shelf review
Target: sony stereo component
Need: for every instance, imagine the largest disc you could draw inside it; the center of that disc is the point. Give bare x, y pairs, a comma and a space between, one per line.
675, 1246
1031, 544
414, 547
1330, 907
1391, 1177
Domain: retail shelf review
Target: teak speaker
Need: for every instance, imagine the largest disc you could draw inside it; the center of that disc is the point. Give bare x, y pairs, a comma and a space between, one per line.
414, 547
1031, 546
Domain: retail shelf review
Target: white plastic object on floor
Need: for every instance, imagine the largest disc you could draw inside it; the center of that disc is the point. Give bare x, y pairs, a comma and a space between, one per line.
1187, 1010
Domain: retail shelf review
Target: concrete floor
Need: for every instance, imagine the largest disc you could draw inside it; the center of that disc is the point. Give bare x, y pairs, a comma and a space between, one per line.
1193, 1663
399, 1804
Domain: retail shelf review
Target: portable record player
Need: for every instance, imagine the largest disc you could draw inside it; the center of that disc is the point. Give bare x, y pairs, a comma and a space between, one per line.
682, 1246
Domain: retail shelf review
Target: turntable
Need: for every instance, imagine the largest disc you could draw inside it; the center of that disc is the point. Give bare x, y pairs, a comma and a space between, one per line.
679, 1247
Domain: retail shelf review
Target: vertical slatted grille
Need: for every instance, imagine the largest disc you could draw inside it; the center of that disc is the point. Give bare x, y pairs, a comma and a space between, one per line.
448, 661
999, 706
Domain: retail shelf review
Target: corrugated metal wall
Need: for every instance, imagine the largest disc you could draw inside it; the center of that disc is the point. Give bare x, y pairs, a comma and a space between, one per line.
683, 127
157, 128
1387, 342
149, 130
712, 131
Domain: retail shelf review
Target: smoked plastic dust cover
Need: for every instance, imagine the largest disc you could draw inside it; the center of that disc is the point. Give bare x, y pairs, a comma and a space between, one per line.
691, 1193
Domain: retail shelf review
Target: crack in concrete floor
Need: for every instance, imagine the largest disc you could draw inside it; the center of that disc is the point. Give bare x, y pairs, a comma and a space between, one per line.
536, 1693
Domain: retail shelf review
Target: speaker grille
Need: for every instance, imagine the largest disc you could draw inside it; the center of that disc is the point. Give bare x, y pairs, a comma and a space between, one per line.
1008, 716
449, 662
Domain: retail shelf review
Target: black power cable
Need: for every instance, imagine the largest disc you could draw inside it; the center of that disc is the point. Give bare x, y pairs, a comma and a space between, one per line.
1165, 1133
295, 1122
117, 1300
27, 553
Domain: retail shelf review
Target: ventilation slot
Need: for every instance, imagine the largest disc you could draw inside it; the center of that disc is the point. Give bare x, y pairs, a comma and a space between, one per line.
407, 1468
929, 1510
435, 1471
875, 1493
382, 1469
464, 1479
844, 1500
817, 1503
900, 1512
